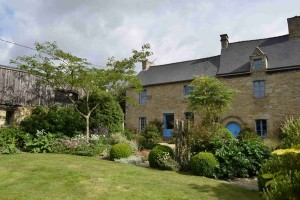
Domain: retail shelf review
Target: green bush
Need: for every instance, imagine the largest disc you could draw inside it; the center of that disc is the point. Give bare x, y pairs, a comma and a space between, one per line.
79, 146
55, 119
238, 158
204, 164
41, 143
117, 138
108, 114
285, 163
285, 187
291, 133
165, 149
12, 140
248, 134
160, 156
152, 135
120, 150
222, 133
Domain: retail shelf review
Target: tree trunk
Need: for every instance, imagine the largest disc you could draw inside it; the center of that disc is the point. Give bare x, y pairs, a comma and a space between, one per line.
87, 119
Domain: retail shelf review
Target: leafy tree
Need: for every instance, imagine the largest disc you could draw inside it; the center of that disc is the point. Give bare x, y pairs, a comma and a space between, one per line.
108, 114
65, 72
209, 98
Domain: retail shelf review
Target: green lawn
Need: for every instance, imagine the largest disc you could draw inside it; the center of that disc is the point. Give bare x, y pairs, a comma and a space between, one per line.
53, 176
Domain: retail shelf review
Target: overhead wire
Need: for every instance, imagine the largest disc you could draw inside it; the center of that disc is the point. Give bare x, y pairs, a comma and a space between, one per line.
24, 46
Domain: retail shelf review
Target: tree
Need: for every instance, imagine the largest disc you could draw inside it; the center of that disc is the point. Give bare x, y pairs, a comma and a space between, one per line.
65, 72
210, 98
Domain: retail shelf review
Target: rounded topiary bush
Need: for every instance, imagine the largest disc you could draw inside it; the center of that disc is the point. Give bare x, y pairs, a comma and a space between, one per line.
204, 164
120, 151
248, 134
157, 152
165, 148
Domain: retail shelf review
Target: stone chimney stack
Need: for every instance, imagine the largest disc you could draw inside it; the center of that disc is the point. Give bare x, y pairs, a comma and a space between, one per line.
146, 64
294, 27
224, 41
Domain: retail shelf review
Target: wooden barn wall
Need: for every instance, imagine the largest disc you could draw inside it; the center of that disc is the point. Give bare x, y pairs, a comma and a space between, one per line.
18, 88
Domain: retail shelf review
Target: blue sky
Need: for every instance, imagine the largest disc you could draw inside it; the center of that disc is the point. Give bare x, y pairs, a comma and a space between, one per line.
176, 30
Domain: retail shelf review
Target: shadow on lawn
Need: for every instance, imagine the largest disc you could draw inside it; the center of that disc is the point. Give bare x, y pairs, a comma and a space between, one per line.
224, 191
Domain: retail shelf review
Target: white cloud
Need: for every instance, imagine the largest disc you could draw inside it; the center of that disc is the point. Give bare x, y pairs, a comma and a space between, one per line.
177, 30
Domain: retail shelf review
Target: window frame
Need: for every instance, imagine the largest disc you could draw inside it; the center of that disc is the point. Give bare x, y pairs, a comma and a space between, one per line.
142, 123
187, 90
255, 65
143, 97
259, 89
261, 127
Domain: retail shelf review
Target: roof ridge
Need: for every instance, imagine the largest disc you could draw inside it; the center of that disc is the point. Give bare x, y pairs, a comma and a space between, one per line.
258, 39
184, 61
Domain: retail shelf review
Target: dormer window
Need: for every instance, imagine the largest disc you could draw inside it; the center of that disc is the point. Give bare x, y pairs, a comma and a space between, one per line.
258, 60
258, 64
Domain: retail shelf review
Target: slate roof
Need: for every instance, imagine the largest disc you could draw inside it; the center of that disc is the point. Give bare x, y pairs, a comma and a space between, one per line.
281, 53
181, 71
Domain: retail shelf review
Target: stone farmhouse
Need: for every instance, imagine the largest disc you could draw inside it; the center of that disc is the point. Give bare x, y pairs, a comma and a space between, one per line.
266, 72
20, 91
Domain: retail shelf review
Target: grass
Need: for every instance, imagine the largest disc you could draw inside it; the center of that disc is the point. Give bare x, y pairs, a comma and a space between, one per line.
56, 176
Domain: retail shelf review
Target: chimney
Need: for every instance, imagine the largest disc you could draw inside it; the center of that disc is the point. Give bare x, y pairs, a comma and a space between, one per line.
294, 27
224, 41
146, 64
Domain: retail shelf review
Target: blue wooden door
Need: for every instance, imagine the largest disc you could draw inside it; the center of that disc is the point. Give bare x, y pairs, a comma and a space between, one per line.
168, 124
234, 128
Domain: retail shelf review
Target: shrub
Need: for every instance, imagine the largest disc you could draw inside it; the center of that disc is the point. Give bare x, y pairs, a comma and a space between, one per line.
204, 164
12, 140
152, 135
291, 133
108, 114
136, 160
248, 134
165, 149
162, 157
120, 150
288, 162
117, 138
55, 119
285, 187
238, 158
41, 143
222, 133
79, 146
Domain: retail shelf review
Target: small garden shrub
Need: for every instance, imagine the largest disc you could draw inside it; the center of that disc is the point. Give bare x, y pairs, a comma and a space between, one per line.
278, 164
238, 158
12, 140
152, 135
118, 137
120, 150
204, 164
162, 157
291, 133
136, 160
78, 146
248, 134
287, 187
41, 143
222, 133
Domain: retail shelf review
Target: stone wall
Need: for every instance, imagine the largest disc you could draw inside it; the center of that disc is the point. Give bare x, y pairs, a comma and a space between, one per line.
166, 98
2, 117
282, 100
